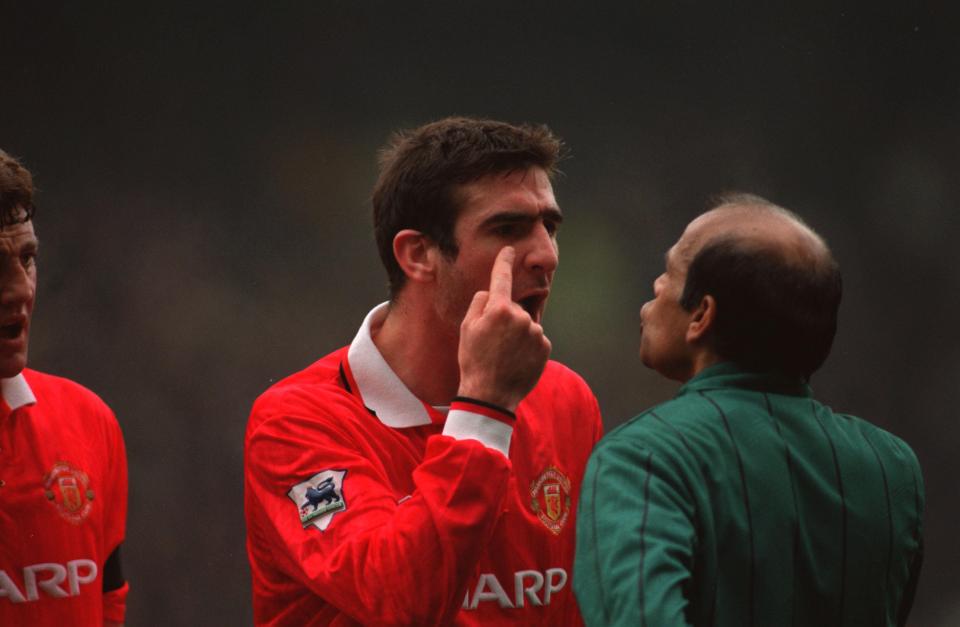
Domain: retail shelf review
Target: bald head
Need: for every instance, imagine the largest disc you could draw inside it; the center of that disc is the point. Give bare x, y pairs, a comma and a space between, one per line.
774, 280
759, 225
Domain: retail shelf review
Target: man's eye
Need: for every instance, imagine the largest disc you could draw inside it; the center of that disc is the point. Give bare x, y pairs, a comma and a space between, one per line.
552, 227
28, 259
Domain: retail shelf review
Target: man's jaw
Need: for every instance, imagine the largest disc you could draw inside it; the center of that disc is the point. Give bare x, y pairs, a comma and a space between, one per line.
14, 333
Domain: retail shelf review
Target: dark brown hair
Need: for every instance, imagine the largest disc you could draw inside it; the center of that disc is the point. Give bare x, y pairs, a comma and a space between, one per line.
16, 192
422, 169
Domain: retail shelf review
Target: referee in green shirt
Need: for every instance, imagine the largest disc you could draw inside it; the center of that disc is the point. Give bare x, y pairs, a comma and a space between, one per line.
744, 501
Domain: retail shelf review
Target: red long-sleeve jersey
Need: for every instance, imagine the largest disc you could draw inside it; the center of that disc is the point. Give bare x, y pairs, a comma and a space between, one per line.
63, 505
365, 506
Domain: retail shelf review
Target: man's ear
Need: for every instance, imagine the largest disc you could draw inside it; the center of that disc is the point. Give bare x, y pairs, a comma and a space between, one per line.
702, 320
416, 254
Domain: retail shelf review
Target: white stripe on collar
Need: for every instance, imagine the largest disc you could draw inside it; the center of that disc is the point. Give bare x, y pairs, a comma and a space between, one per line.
379, 386
16, 392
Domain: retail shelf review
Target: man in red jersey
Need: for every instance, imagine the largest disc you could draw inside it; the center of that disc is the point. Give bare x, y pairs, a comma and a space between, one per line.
428, 473
63, 468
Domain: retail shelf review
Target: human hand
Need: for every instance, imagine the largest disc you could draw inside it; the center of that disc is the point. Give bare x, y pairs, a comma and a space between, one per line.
502, 350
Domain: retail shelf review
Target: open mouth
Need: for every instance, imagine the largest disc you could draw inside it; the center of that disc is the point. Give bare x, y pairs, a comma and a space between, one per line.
533, 305
11, 331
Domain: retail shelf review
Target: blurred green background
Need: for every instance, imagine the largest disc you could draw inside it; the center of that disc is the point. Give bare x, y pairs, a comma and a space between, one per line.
205, 168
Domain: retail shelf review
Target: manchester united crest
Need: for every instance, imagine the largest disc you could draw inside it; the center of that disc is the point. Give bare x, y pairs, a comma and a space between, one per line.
68, 489
550, 498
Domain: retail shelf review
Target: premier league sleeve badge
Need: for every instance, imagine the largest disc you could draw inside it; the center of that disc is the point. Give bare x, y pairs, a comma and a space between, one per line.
319, 498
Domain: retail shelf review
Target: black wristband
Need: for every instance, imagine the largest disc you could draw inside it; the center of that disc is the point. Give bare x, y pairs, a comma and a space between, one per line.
113, 572
476, 401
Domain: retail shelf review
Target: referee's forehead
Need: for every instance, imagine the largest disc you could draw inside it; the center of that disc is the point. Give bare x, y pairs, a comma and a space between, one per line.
700, 229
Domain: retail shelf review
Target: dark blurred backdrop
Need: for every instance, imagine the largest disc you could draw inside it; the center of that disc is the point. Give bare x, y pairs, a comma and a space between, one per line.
204, 173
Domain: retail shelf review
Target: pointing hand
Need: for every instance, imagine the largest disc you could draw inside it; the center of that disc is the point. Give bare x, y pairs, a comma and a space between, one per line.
502, 350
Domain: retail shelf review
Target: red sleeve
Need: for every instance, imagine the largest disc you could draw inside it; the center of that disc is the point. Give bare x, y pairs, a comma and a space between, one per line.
595, 417
115, 604
378, 561
115, 516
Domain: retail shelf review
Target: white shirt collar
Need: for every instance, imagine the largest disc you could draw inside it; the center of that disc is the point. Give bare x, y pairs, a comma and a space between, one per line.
378, 385
16, 393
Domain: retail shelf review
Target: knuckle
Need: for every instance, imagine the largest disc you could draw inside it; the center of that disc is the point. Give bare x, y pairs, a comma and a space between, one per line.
501, 310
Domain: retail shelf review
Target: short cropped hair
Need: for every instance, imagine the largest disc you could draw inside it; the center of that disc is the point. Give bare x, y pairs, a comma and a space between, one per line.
422, 169
773, 314
16, 192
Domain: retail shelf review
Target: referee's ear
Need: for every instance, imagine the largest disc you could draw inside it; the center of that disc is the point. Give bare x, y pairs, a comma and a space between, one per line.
416, 255
702, 320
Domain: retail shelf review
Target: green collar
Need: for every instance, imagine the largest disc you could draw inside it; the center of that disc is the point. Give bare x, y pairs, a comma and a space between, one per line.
729, 375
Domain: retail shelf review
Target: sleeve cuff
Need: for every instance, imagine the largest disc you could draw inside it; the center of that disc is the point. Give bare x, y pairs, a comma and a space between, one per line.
491, 426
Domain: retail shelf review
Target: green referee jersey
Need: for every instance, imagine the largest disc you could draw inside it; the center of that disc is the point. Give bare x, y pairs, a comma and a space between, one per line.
745, 502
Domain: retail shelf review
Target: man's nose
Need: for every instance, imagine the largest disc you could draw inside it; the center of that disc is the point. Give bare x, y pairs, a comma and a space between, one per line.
16, 285
543, 254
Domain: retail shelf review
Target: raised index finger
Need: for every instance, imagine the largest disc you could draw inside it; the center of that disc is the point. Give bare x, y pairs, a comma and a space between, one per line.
501, 276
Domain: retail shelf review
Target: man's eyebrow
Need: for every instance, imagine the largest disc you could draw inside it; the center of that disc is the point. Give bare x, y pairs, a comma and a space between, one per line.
553, 214
32, 245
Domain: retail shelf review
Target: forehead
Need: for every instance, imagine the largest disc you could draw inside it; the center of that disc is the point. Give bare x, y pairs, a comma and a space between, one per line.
684, 249
700, 229
518, 190
14, 236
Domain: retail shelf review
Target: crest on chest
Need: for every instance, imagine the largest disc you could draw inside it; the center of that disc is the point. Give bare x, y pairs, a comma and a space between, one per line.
550, 498
68, 489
